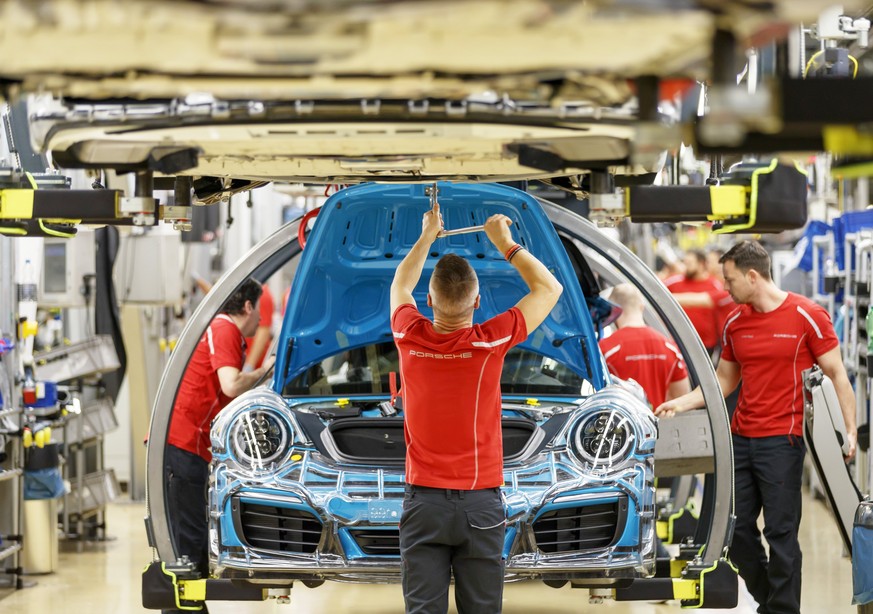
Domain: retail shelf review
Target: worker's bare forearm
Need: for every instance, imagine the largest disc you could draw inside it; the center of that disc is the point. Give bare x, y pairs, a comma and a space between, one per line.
831, 363
689, 401
259, 346
243, 381
694, 299
846, 396
535, 274
409, 270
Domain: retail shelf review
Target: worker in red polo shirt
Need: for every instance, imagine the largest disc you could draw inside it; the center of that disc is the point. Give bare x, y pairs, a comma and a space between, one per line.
769, 340
214, 376
697, 291
453, 517
638, 352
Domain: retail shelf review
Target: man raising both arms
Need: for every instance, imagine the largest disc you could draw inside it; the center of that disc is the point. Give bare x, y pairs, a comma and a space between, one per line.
453, 516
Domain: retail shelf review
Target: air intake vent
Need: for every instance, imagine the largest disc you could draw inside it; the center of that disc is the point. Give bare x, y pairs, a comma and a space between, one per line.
383, 542
381, 440
588, 527
270, 527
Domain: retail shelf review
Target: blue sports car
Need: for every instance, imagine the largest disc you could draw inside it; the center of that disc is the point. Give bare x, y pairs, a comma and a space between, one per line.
308, 472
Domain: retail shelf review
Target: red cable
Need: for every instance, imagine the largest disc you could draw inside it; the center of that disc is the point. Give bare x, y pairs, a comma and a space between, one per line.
301, 230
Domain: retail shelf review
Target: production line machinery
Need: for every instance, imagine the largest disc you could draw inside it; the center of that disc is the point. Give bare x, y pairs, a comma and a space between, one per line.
698, 442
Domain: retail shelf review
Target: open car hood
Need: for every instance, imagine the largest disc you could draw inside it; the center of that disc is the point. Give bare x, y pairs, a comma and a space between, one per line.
340, 298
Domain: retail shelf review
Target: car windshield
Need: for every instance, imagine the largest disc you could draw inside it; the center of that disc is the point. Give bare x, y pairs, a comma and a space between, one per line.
367, 369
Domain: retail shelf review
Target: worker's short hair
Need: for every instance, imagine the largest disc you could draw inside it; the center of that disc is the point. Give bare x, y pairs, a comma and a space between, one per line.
626, 296
453, 285
250, 290
699, 254
719, 252
749, 256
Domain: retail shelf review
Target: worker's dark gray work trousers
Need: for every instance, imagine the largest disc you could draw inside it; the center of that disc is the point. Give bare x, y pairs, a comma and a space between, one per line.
452, 531
186, 476
768, 473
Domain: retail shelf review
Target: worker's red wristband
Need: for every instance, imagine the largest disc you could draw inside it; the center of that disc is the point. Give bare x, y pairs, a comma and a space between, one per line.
515, 253
512, 251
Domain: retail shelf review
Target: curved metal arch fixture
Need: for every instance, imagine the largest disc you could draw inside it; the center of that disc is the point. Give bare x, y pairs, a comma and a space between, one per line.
634, 270
260, 262
280, 247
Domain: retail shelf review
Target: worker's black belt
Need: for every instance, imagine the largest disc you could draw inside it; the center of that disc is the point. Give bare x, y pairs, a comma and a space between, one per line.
413, 488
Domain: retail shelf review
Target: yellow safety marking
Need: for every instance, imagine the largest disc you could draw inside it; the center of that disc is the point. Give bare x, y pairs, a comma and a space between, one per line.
533, 402
691, 506
662, 529
55, 233
16, 204
192, 590
703, 578
18, 232
753, 201
296, 457
727, 201
686, 589
847, 140
342, 402
677, 566
29, 328
854, 171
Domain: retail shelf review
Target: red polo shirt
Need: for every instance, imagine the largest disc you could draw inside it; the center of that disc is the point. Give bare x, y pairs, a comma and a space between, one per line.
200, 398
702, 318
772, 350
451, 398
645, 356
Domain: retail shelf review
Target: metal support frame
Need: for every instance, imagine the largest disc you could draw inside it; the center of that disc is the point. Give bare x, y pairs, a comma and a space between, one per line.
11, 496
825, 435
635, 271
282, 243
859, 283
282, 246
822, 245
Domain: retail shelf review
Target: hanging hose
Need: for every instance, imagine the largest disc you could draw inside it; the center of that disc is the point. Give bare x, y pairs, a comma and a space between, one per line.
715, 170
301, 230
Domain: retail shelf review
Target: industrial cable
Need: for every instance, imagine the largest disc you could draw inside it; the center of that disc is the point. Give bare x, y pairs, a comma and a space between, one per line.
818, 53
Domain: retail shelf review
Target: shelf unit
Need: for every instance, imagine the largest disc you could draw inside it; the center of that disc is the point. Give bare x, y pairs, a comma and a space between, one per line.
82, 510
92, 486
11, 469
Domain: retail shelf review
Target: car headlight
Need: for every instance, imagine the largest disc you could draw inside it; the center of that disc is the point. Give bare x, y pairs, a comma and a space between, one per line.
259, 437
254, 431
603, 437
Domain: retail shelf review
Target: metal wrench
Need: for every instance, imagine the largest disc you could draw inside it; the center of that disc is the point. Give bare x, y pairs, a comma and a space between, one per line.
433, 192
460, 231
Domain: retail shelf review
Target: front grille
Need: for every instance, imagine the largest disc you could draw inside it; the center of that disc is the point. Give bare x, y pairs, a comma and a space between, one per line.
588, 527
271, 527
384, 542
382, 440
